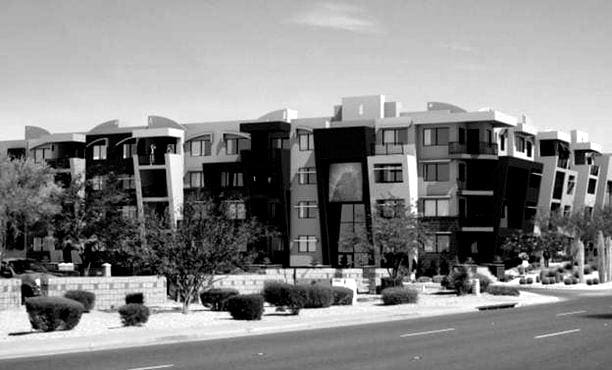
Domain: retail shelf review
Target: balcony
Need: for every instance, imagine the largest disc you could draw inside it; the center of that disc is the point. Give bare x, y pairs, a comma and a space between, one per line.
594, 170
152, 160
389, 149
480, 147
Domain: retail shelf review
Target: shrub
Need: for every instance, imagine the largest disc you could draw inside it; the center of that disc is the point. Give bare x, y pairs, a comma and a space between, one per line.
319, 296
424, 279
484, 281
521, 270
397, 295
137, 298
285, 295
245, 307
216, 298
589, 282
342, 296
459, 279
595, 281
568, 266
574, 281
523, 281
587, 269
576, 274
529, 280
53, 313
87, 299
438, 279
388, 282
502, 290
567, 281
545, 281
134, 314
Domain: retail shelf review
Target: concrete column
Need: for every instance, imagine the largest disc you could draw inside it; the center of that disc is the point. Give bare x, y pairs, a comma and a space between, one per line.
107, 269
580, 256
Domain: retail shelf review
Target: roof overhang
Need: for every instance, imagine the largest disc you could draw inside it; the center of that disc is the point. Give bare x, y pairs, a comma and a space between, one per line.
587, 147
159, 132
498, 119
554, 135
56, 138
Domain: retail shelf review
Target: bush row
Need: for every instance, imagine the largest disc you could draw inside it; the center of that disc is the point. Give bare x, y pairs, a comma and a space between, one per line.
502, 290
399, 295
296, 297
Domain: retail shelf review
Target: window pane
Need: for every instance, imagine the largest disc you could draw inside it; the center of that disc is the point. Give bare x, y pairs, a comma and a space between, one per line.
427, 137
303, 139
442, 136
430, 207
443, 172
389, 137
443, 207
442, 243
196, 147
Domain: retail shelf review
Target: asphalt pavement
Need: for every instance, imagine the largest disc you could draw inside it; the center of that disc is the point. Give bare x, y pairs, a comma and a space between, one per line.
572, 334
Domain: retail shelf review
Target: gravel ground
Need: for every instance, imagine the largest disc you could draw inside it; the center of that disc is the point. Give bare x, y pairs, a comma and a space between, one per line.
15, 327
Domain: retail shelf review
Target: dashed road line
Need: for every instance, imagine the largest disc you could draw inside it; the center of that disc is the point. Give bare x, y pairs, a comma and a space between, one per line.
557, 333
426, 332
153, 367
570, 313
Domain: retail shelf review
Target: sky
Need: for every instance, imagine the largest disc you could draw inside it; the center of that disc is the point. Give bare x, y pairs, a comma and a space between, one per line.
67, 65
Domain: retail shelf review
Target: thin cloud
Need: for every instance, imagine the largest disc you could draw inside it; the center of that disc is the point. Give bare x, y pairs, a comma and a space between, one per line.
459, 47
339, 16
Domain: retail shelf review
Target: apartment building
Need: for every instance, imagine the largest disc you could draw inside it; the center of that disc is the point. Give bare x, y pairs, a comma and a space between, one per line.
474, 176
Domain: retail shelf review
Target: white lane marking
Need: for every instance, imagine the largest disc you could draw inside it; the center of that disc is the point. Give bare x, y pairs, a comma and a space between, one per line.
426, 332
153, 367
555, 334
570, 313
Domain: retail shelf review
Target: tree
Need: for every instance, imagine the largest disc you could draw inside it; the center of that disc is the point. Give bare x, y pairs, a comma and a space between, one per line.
357, 243
93, 224
399, 234
28, 194
204, 243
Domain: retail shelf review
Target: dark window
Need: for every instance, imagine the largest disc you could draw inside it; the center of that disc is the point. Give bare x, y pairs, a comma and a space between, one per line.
571, 183
529, 148
461, 135
592, 186
558, 188
391, 172
435, 136
462, 174
502, 142
232, 179
307, 175
438, 243
436, 171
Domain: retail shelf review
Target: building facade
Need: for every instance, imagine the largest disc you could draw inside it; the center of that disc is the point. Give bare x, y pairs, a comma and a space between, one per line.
473, 176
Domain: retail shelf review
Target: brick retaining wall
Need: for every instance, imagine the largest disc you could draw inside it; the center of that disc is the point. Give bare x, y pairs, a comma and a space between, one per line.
10, 293
110, 291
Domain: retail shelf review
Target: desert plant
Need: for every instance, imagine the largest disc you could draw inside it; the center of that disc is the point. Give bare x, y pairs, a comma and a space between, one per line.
529, 280
134, 314
393, 296
285, 296
137, 298
484, 281
523, 281
595, 281
217, 297
53, 313
87, 299
574, 281
342, 296
459, 280
245, 307
319, 296
502, 290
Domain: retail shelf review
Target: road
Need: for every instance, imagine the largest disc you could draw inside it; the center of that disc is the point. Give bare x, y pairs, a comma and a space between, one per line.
574, 334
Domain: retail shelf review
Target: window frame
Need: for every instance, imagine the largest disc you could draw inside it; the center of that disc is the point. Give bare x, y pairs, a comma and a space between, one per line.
387, 173
308, 143
98, 154
307, 209
307, 175
435, 137
437, 212
436, 176
306, 243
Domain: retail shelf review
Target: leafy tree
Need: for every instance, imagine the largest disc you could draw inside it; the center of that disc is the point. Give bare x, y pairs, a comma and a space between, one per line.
399, 234
358, 243
93, 224
204, 243
28, 194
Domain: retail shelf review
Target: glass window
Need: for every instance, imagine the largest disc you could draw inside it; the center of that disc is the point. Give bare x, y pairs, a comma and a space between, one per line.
307, 209
128, 183
194, 179
99, 152
129, 150
435, 136
307, 175
307, 243
200, 147
436, 171
235, 209
436, 207
129, 212
592, 186
306, 140
41, 154
388, 172
231, 146
97, 183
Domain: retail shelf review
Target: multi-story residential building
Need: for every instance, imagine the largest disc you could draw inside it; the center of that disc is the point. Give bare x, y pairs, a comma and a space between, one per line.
604, 188
473, 176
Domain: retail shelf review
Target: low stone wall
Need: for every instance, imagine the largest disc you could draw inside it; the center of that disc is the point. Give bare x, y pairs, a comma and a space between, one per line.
10, 293
253, 283
110, 291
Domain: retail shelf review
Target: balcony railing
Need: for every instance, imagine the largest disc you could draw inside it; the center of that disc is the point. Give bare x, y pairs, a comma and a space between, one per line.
151, 160
594, 170
481, 147
389, 149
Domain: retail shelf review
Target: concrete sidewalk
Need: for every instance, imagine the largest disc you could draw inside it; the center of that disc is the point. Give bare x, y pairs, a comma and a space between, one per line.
41, 344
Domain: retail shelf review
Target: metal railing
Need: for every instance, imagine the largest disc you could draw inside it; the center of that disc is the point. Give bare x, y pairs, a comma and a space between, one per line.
150, 160
482, 147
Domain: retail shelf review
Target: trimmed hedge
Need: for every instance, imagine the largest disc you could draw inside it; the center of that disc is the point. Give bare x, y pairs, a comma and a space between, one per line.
502, 290
245, 307
216, 298
285, 296
393, 296
53, 313
342, 296
87, 299
134, 314
137, 298
319, 296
